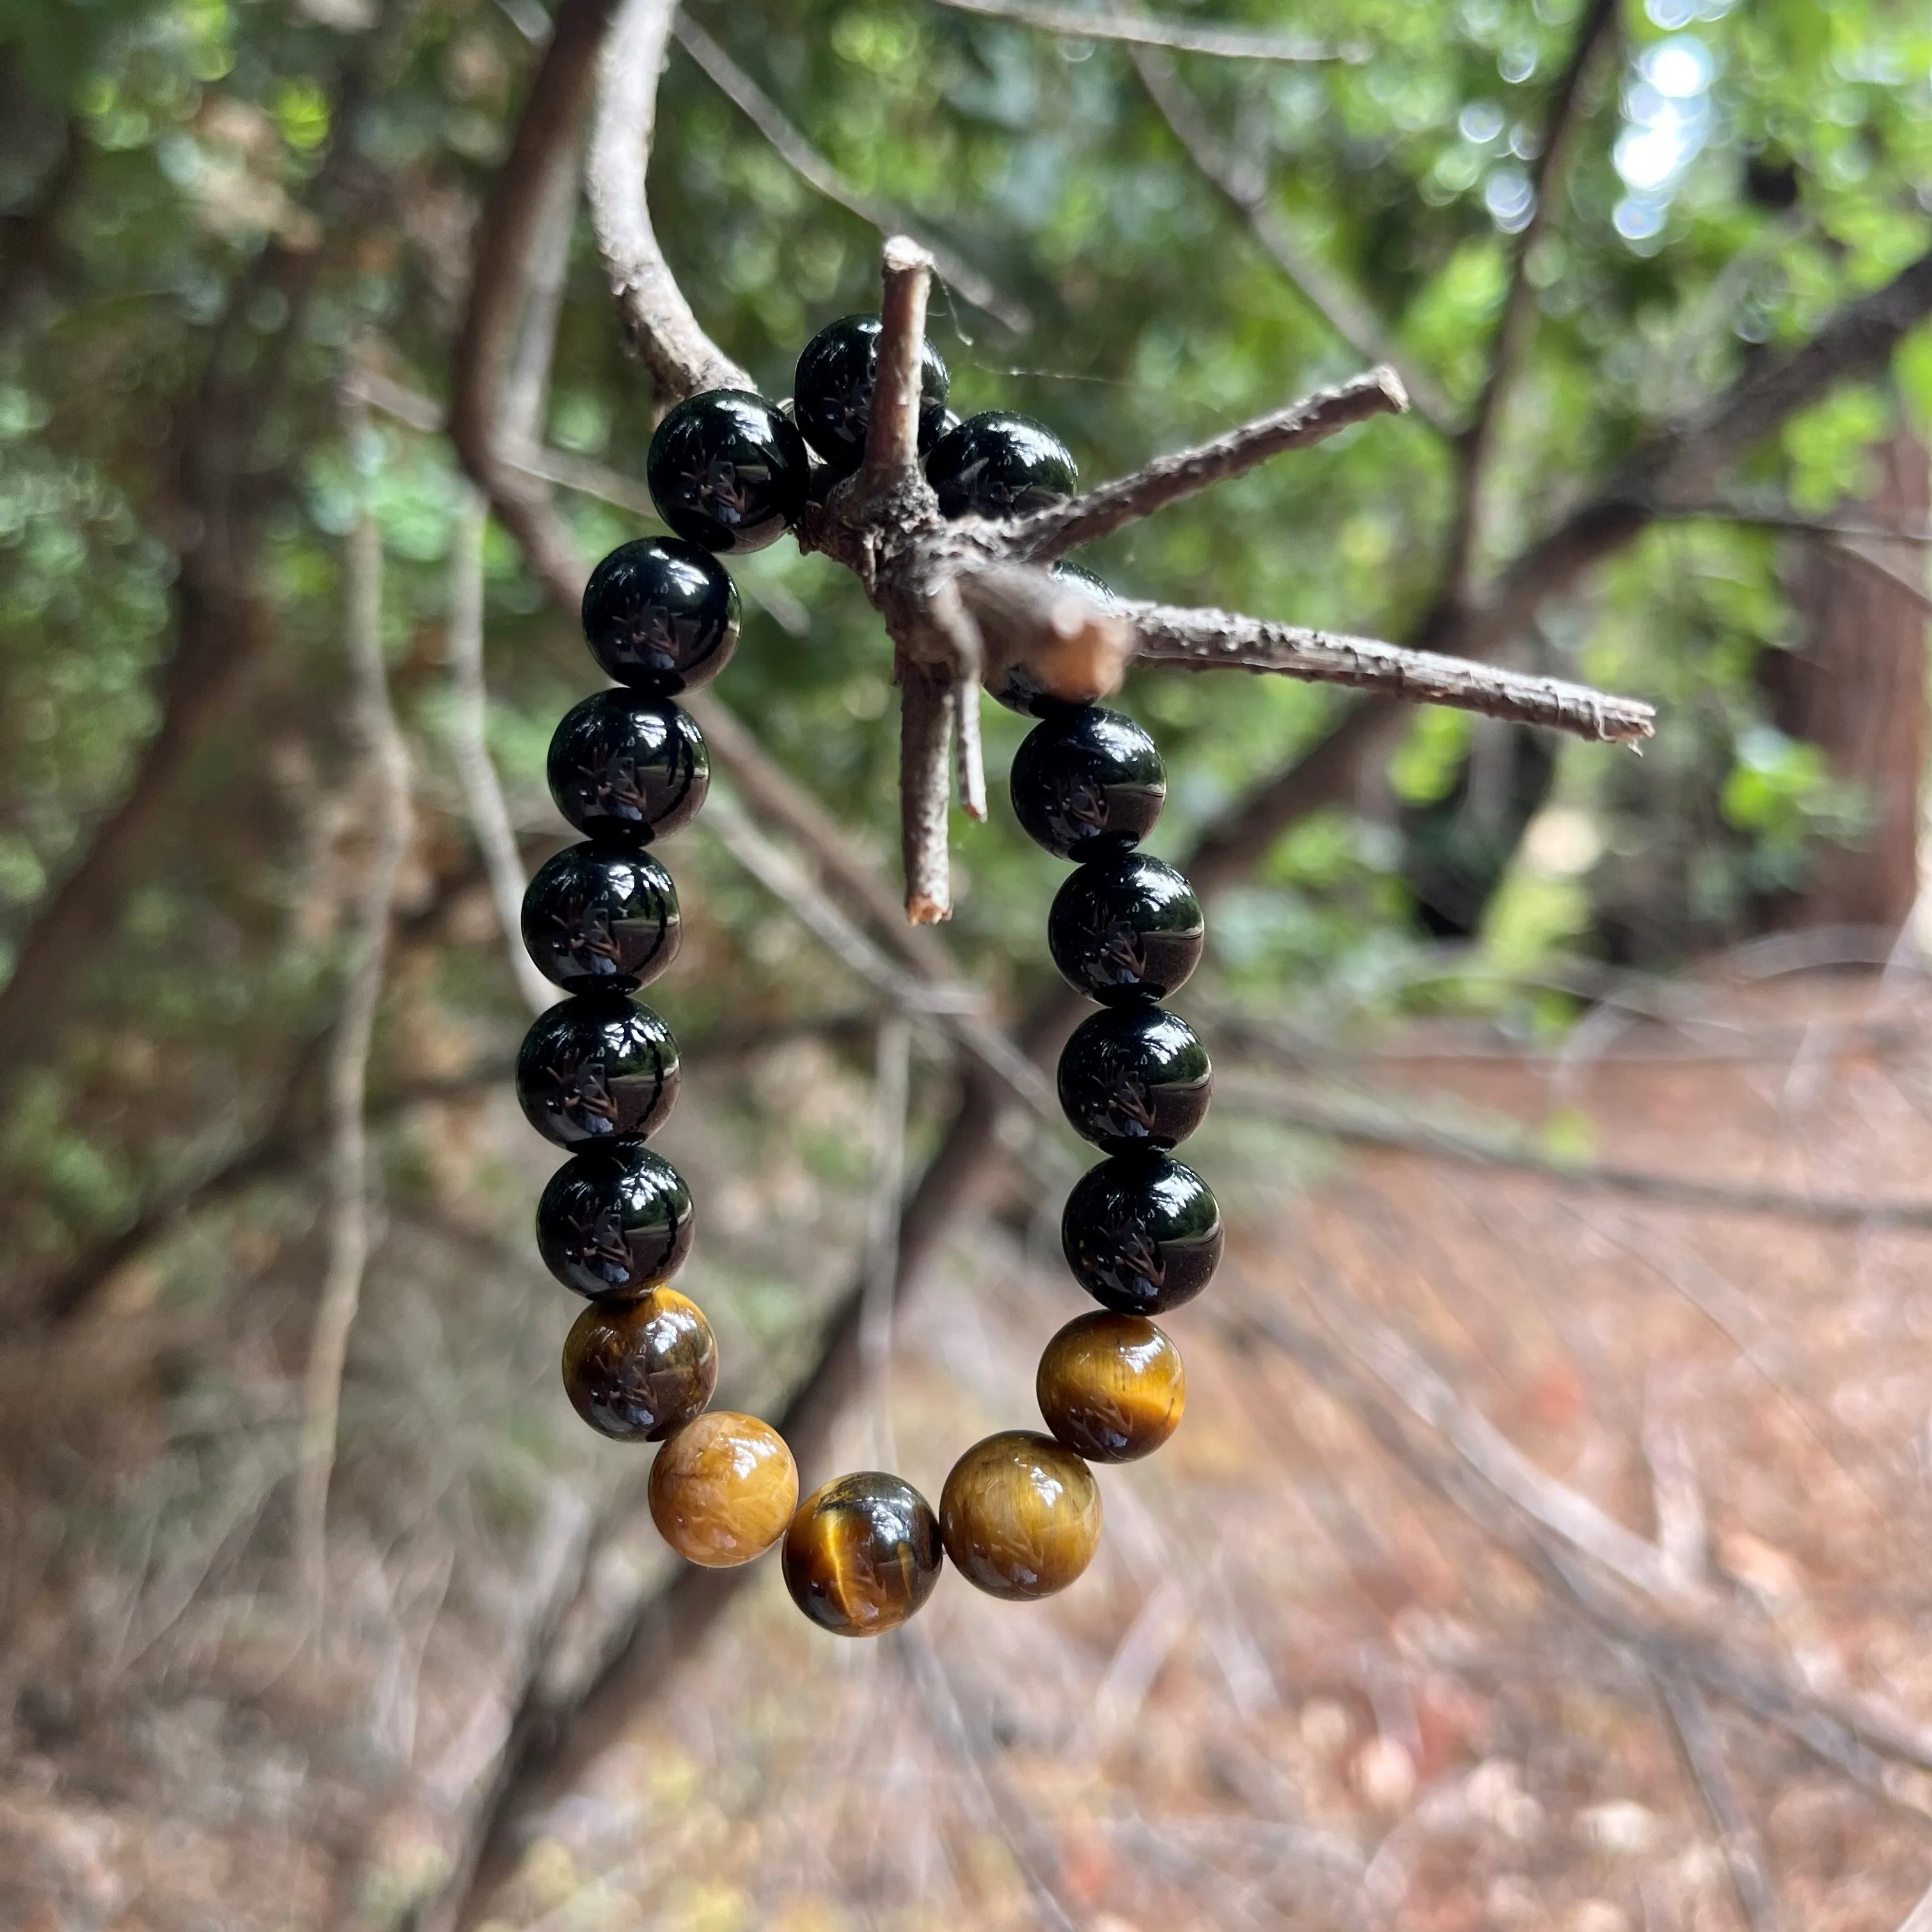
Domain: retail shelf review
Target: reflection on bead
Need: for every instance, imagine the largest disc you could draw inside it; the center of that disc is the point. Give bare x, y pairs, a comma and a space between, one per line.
999, 464
1088, 784
1142, 1233
626, 768
862, 1554
598, 1067
1135, 1077
594, 917
614, 1220
1125, 930
661, 615
723, 1488
1020, 1514
832, 391
726, 470
1111, 1387
635, 1370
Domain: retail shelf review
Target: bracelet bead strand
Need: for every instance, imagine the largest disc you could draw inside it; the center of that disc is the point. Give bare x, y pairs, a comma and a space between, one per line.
1020, 1512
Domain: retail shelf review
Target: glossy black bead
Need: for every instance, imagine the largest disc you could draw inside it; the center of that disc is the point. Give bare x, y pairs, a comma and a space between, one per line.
660, 615
597, 916
1142, 1233
832, 391
614, 1220
1088, 783
626, 769
1000, 465
727, 471
598, 1067
1125, 931
1135, 1077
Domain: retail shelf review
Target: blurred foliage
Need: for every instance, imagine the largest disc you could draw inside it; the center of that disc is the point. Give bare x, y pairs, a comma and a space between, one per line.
1745, 170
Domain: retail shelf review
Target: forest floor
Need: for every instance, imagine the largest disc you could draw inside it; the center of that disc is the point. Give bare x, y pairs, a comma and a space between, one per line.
1545, 1545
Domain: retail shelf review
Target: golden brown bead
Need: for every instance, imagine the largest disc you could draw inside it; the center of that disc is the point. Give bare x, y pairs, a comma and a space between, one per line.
723, 1488
634, 1370
862, 1554
1020, 1514
1111, 1387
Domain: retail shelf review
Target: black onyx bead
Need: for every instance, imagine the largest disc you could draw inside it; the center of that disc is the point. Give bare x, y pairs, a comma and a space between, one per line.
596, 916
660, 615
832, 392
599, 1067
1124, 931
626, 768
1000, 465
1135, 1077
1142, 1233
1088, 783
727, 471
614, 1220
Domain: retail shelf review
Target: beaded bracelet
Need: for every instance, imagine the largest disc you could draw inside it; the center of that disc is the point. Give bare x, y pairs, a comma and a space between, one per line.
1019, 1515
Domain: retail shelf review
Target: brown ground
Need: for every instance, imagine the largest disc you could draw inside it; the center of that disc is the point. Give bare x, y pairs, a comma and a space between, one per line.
1303, 1685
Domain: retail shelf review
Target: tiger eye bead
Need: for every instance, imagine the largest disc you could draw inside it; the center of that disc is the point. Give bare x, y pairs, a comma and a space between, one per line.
1123, 930
1088, 784
1142, 1233
1020, 1515
635, 1370
615, 1220
598, 1067
661, 615
626, 768
862, 1554
723, 1488
1133, 1077
1111, 1388
595, 917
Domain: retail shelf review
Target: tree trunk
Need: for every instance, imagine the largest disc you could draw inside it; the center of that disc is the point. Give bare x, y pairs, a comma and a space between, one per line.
1855, 687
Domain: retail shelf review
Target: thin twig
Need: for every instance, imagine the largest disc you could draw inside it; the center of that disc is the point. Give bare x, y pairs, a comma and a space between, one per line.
386, 759
1594, 34
1703, 1753
658, 320
925, 725
1202, 639
1369, 1125
811, 167
468, 735
968, 755
1051, 533
890, 466
1142, 30
1243, 182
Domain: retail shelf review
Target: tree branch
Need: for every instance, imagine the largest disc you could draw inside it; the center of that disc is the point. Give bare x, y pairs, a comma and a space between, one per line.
1142, 30
817, 173
658, 320
1243, 183
1703, 1751
1595, 34
1051, 533
1371, 1125
1213, 640
483, 793
386, 763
